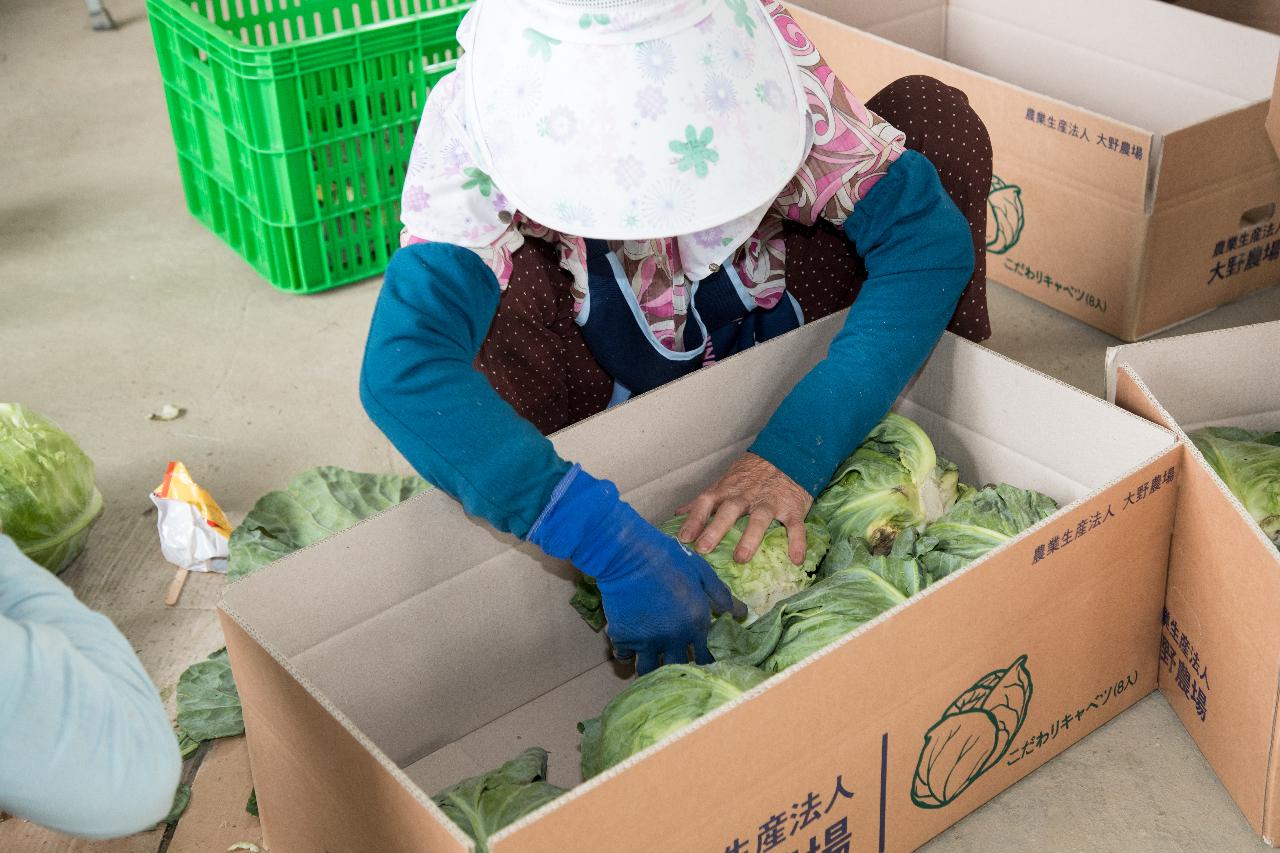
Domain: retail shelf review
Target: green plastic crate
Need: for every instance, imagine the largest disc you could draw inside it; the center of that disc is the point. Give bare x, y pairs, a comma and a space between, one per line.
293, 121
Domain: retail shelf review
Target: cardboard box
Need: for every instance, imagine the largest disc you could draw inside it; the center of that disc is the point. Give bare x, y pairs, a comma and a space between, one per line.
1224, 574
1143, 203
1273, 115
1262, 14
421, 646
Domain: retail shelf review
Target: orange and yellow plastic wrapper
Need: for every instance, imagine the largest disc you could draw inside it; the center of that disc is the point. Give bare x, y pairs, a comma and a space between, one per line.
193, 529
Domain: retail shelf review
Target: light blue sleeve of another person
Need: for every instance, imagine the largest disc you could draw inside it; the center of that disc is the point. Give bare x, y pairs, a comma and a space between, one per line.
86, 747
919, 256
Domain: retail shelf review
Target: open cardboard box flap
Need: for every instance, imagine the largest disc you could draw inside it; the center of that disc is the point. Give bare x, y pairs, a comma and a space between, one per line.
1273, 115
1224, 574
421, 646
1128, 138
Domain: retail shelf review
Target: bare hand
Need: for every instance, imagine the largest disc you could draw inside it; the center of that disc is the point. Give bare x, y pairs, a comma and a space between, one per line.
752, 487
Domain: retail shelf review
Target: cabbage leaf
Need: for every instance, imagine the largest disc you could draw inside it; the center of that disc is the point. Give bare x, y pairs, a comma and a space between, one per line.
181, 799
208, 702
318, 503
982, 520
484, 804
586, 600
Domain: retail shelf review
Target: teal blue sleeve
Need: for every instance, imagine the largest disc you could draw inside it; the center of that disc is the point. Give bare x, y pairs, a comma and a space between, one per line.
419, 385
86, 747
919, 256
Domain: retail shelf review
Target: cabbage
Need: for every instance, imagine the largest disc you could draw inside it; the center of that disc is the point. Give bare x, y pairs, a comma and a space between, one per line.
656, 705
856, 586
895, 480
484, 804
983, 519
769, 576
1249, 463
901, 567
48, 498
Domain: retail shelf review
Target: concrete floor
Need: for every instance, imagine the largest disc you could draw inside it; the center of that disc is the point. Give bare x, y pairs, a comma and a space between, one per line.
114, 301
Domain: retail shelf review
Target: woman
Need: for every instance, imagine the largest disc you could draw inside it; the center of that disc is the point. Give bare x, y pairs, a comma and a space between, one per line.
534, 287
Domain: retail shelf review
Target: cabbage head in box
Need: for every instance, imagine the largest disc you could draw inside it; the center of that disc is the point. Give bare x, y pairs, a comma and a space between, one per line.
1249, 463
982, 520
893, 481
769, 576
766, 578
659, 704
855, 587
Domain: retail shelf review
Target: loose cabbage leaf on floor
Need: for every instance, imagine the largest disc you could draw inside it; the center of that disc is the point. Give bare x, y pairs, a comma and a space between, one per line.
181, 799
893, 481
982, 520
855, 587
187, 745
317, 504
1249, 463
656, 705
484, 804
208, 702
48, 498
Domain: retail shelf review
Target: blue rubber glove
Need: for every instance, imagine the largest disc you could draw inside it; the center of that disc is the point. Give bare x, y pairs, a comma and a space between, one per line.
657, 594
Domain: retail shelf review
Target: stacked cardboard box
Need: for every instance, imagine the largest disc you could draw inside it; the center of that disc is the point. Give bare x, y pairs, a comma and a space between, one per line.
1135, 186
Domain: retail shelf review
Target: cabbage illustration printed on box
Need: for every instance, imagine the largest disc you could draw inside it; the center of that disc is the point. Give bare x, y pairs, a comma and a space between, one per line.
974, 733
1005, 216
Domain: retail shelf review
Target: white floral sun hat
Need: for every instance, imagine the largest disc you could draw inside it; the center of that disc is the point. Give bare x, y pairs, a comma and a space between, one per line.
631, 119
